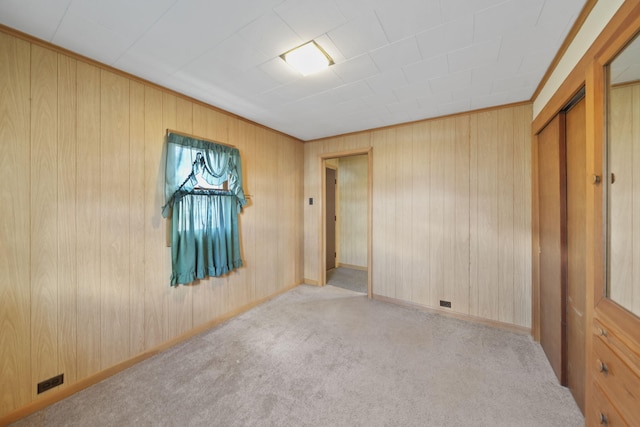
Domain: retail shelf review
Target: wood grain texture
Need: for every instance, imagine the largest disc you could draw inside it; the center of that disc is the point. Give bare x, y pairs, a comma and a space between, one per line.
461, 184
522, 181
487, 226
114, 220
551, 167
576, 250
353, 205
155, 228
85, 274
437, 213
44, 217
178, 300
136, 217
461, 218
15, 345
420, 246
67, 206
404, 213
88, 229
242, 284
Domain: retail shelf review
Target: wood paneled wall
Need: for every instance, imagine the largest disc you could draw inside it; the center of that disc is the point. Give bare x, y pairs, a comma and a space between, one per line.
451, 211
84, 261
624, 197
352, 211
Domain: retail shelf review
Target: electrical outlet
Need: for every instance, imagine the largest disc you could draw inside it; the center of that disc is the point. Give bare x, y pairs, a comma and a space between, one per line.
50, 383
445, 303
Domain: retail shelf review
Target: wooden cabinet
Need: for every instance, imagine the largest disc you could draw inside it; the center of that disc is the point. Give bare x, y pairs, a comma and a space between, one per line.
615, 372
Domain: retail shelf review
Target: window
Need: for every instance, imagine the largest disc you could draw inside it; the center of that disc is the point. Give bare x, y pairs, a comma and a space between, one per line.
204, 194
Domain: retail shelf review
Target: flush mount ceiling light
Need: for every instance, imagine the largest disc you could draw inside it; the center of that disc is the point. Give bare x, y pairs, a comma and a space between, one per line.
308, 58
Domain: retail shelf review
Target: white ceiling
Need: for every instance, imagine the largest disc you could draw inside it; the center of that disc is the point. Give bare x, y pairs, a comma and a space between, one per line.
396, 60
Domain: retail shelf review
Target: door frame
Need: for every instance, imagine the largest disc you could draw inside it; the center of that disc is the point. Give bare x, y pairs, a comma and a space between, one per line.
322, 274
336, 248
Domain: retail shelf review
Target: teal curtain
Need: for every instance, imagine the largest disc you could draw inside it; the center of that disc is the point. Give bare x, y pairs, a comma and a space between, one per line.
204, 222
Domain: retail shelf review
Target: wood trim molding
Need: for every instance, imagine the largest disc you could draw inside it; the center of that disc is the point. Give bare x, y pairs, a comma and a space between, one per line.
460, 316
446, 116
55, 396
576, 78
74, 55
584, 13
368, 151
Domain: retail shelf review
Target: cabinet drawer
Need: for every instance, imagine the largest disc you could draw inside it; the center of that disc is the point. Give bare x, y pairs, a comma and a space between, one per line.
618, 381
604, 413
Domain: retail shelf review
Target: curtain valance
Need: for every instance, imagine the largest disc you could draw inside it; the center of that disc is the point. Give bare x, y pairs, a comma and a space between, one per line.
191, 160
204, 219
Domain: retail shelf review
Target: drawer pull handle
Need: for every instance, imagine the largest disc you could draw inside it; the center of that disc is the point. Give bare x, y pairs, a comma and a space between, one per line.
603, 419
602, 332
602, 367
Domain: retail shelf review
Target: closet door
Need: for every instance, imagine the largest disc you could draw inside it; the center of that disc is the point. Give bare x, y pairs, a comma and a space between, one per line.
552, 234
576, 250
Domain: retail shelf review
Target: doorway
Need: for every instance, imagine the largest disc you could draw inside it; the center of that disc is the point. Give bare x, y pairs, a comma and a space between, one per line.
346, 220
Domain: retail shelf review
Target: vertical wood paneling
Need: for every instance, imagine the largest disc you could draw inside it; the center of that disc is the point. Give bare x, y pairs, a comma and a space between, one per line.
352, 189
183, 298
44, 218
88, 229
177, 300
421, 218
277, 204
172, 301
67, 251
84, 264
263, 192
136, 217
404, 214
505, 215
449, 197
288, 183
298, 206
474, 241
468, 211
114, 219
522, 216
461, 218
384, 206
242, 282
15, 345
311, 190
436, 213
488, 219
155, 239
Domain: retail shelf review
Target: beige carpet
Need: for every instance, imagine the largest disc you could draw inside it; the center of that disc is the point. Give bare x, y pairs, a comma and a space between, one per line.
348, 278
331, 357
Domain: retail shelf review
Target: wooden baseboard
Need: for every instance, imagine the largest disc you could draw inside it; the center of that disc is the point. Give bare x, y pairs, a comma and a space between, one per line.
311, 282
354, 267
460, 316
55, 396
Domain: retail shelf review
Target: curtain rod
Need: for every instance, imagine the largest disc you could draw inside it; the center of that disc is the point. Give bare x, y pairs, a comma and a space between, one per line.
198, 137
